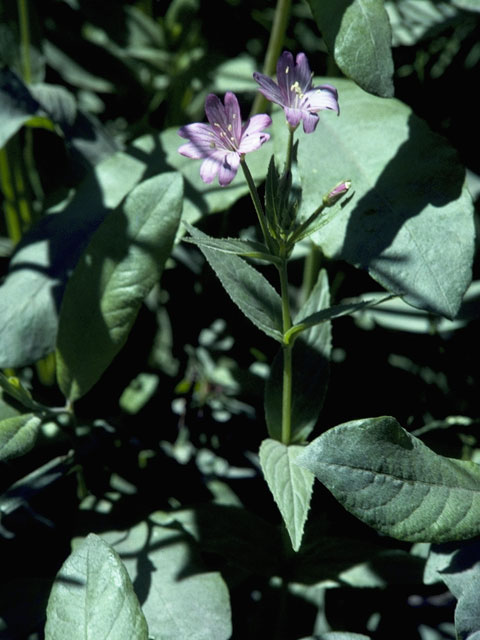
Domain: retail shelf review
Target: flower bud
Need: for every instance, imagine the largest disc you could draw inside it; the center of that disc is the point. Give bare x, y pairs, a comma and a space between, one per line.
336, 193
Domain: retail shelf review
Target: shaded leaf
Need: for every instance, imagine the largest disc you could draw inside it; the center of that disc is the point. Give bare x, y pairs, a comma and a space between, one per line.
17, 105
33, 289
410, 222
290, 485
92, 597
119, 267
393, 482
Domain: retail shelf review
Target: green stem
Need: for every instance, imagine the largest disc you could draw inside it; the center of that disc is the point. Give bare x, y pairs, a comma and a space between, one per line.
256, 203
277, 37
288, 161
287, 358
25, 40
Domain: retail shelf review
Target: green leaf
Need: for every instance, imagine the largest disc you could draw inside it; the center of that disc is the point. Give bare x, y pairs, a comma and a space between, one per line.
410, 221
236, 246
358, 34
458, 567
290, 485
18, 435
16, 390
93, 598
180, 599
393, 482
310, 367
248, 289
122, 262
320, 317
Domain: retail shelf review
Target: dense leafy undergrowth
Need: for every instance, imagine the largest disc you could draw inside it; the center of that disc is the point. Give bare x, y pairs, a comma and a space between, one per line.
302, 463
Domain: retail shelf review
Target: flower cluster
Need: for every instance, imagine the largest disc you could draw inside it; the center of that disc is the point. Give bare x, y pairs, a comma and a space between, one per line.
225, 140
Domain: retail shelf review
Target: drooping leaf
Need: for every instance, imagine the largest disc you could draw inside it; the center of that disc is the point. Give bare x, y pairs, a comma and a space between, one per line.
395, 483
248, 289
18, 435
310, 369
180, 599
290, 485
119, 267
410, 221
358, 35
93, 598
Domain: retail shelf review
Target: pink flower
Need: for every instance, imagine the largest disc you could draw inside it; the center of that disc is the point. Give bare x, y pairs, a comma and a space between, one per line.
225, 140
294, 92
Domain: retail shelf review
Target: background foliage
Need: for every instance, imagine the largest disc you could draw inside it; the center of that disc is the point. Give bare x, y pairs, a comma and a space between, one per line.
155, 481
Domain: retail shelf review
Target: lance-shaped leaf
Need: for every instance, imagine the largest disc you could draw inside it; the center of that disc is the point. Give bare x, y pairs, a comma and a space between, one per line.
236, 246
93, 598
410, 222
290, 485
123, 261
310, 371
246, 286
396, 484
319, 317
358, 35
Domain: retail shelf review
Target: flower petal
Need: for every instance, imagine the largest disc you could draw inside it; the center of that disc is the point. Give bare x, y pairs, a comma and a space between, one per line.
310, 121
302, 73
228, 169
209, 169
201, 140
293, 116
269, 88
234, 117
285, 74
323, 97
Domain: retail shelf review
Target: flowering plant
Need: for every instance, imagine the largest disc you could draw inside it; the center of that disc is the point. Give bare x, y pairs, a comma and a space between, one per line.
174, 458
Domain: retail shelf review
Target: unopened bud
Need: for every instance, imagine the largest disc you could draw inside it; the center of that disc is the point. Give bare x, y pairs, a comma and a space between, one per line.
336, 193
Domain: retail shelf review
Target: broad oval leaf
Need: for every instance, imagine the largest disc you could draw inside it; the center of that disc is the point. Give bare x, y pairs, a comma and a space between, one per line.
120, 265
290, 485
359, 37
93, 599
396, 484
249, 290
410, 219
181, 601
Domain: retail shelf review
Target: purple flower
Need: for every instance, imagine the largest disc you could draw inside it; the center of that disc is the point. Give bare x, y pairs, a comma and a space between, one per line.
294, 92
225, 140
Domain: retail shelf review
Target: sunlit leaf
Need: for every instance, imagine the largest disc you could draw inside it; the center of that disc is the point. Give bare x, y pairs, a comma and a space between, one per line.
93, 598
396, 484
